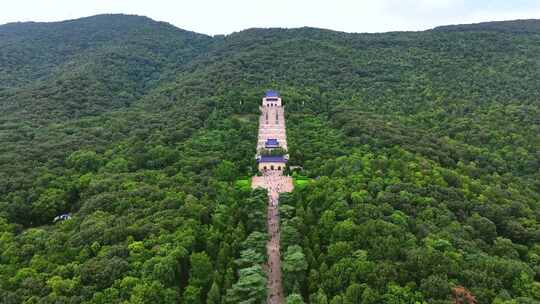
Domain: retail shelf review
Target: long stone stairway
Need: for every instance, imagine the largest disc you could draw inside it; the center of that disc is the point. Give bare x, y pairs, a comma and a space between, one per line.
272, 126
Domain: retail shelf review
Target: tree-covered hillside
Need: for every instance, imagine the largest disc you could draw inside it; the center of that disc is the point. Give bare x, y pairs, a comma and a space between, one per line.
423, 150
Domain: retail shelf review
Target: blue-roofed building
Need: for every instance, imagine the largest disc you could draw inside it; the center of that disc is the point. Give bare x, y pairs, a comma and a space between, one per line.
272, 159
271, 143
272, 93
271, 99
271, 163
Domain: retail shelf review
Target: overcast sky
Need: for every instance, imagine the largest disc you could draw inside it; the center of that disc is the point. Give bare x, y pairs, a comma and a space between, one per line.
226, 16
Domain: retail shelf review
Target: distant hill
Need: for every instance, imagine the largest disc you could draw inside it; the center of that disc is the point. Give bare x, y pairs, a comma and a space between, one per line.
516, 26
111, 60
34, 50
421, 150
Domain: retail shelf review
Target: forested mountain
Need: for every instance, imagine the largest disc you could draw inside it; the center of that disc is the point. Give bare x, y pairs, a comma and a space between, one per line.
423, 150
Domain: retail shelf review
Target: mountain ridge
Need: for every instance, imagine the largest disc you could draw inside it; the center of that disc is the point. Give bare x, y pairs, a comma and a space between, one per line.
515, 24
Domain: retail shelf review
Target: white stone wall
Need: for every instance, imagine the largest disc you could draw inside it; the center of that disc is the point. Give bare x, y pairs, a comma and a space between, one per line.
271, 102
269, 165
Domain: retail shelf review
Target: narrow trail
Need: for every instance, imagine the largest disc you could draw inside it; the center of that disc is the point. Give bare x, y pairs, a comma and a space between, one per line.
272, 127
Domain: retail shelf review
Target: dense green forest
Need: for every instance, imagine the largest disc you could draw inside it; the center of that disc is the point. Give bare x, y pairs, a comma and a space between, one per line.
423, 150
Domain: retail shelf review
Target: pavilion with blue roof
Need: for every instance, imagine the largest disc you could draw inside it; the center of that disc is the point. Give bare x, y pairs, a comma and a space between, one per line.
272, 163
271, 99
271, 143
272, 159
271, 93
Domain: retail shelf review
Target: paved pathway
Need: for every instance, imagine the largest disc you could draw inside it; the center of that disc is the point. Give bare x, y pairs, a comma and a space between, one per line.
272, 125
275, 183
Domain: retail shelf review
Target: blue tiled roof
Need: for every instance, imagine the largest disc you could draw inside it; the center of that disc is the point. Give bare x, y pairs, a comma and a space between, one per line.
272, 93
271, 145
272, 159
